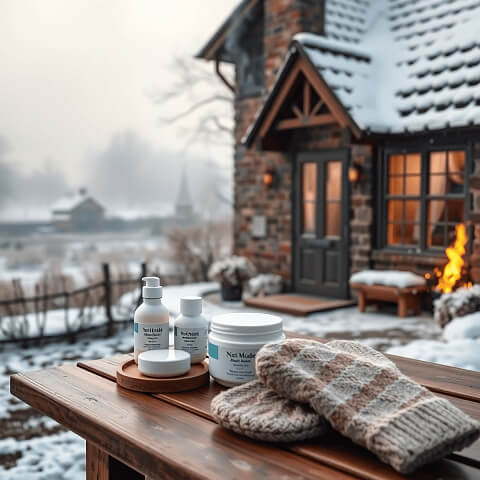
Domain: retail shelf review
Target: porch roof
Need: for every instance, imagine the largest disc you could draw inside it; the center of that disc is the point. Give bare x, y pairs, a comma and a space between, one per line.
400, 66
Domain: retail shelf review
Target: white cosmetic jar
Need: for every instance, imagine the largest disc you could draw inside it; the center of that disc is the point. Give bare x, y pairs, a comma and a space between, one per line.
233, 342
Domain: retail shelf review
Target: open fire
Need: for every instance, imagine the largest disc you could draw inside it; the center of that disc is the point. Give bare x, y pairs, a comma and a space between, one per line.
453, 275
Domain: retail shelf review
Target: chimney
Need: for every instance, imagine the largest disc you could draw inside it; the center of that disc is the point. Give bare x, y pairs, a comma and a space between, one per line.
283, 19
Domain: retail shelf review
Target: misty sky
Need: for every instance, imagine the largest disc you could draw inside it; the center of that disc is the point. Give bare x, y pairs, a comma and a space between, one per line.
73, 86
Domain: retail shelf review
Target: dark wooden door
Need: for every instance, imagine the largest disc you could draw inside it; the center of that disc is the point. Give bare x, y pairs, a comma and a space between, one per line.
321, 223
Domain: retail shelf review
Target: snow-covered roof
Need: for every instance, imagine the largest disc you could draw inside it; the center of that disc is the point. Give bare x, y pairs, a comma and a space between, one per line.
401, 65
60, 217
70, 201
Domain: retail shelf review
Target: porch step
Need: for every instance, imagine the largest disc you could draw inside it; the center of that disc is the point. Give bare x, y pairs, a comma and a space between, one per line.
296, 304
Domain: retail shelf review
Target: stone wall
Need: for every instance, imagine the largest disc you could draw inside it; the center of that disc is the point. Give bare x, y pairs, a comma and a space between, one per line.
361, 216
475, 216
274, 252
283, 19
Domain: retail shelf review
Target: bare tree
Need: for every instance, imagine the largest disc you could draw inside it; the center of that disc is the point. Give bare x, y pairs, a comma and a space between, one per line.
206, 98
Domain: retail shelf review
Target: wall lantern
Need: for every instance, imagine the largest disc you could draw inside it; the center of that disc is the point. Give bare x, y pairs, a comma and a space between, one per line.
269, 178
354, 174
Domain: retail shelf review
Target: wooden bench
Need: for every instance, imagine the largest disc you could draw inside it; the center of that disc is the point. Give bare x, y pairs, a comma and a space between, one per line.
407, 298
133, 435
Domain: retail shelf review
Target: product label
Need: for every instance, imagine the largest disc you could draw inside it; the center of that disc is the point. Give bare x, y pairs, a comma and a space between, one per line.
191, 340
150, 336
232, 364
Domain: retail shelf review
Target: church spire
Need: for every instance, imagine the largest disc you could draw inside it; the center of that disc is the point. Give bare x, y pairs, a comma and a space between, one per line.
183, 205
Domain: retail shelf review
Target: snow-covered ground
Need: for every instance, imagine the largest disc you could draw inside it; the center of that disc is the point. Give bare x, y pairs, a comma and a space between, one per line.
459, 346
35, 447
79, 256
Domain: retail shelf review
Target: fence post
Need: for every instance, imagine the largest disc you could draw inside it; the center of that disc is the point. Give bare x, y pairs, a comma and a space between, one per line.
143, 273
107, 284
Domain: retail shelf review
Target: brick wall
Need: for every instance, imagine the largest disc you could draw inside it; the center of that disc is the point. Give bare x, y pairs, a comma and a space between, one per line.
475, 189
283, 19
361, 216
274, 252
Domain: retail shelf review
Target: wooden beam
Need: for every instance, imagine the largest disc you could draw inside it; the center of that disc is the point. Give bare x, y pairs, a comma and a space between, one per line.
328, 96
297, 112
318, 120
316, 108
306, 98
285, 89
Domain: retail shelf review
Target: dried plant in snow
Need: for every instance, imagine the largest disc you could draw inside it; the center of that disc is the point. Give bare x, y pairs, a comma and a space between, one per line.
192, 251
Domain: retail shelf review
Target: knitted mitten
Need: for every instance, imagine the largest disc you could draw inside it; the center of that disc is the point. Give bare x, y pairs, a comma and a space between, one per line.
257, 412
368, 400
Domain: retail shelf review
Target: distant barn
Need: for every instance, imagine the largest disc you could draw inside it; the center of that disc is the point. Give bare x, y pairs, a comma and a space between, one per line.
77, 212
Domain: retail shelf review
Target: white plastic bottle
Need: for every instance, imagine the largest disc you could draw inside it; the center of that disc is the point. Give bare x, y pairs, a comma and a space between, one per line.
150, 320
191, 329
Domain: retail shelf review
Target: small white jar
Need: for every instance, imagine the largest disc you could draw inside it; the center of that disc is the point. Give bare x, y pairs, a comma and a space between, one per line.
233, 342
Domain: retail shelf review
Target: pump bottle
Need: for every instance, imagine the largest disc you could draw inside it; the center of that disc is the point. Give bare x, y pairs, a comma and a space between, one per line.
150, 320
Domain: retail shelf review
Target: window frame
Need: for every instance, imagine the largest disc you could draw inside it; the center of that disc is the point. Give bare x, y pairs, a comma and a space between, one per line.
424, 152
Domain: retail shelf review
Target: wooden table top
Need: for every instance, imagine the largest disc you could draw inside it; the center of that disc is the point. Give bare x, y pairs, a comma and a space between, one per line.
174, 436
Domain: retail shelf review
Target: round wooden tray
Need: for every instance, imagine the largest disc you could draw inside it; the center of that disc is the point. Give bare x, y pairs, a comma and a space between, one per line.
128, 376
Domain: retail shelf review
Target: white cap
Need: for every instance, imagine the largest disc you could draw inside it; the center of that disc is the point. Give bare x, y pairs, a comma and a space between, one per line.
191, 306
164, 363
152, 288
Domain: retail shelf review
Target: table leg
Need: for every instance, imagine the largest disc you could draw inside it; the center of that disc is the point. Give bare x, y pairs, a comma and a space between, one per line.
97, 463
101, 466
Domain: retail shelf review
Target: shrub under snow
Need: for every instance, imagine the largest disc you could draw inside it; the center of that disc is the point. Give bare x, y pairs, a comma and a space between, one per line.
232, 271
456, 304
264, 284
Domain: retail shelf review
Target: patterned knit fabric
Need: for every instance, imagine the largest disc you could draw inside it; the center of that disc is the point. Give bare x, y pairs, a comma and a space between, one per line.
257, 412
368, 400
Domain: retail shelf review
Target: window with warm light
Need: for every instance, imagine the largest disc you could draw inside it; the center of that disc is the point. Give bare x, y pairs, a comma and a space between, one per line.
309, 200
425, 198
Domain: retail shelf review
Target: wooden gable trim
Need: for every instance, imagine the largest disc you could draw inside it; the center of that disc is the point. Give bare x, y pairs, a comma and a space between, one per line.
328, 96
297, 65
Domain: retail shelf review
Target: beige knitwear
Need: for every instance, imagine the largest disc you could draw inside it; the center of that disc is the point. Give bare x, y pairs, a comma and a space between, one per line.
256, 411
366, 398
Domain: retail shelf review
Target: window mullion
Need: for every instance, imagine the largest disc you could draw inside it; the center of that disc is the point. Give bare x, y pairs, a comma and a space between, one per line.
423, 201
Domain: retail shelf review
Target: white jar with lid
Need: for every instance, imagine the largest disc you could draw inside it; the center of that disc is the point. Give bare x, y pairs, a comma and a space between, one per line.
234, 341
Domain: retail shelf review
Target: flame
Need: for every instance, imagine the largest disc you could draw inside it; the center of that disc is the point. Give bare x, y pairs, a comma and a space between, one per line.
452, 272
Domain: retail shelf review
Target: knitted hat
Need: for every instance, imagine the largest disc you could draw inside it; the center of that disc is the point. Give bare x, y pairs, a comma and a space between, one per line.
366, 398
257, 412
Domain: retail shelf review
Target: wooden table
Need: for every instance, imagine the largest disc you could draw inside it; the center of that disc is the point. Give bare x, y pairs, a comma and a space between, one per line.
173, 436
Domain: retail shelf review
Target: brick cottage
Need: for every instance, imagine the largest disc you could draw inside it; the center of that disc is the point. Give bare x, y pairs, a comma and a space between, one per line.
357, 139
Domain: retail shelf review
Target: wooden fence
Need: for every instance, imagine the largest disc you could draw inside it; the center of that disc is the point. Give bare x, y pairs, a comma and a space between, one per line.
80, 308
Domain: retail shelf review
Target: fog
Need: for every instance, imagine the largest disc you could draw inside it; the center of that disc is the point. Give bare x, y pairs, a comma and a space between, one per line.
76, 110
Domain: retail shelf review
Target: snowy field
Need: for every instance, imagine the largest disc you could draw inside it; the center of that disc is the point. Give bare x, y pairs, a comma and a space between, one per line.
35, 447
79, 256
